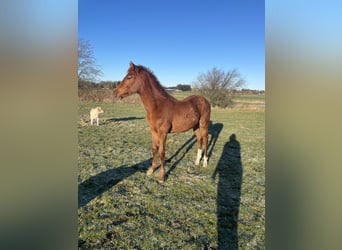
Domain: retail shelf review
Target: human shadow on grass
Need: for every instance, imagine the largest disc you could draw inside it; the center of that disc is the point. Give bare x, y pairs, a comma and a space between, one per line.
123, 119
229, 169
96, 185
213, 130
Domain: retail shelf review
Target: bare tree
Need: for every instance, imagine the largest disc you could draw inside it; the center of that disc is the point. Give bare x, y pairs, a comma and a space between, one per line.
219, 86
87, 68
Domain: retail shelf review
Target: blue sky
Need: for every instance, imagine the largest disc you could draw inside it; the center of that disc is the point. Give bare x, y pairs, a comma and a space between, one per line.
176, 39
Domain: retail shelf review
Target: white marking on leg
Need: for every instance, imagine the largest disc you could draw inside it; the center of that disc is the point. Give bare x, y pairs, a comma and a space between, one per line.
199, 155
205, 161
97, 121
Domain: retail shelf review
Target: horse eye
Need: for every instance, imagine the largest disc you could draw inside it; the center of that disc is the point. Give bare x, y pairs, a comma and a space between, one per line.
129, 77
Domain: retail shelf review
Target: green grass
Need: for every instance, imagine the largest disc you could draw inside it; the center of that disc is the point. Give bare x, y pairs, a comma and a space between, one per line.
121, 208
251, 98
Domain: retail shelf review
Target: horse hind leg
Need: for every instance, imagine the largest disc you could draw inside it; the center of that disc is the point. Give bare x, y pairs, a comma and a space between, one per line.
199, 143
199, 156
204, 133
204, 138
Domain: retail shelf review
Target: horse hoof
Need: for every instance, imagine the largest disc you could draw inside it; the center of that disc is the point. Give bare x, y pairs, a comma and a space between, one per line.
205, 162
196, 163
161, 181
149, 172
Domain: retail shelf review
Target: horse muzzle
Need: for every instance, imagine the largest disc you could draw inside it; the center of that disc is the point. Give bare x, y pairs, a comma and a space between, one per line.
118, 95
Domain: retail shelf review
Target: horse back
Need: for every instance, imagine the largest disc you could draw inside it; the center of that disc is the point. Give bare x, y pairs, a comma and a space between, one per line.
189, 113
200, 104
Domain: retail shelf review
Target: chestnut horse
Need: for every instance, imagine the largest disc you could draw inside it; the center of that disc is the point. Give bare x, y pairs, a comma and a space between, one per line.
165, 114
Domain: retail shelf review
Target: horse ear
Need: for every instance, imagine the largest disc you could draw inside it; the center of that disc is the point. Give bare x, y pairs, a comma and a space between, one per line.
131, 65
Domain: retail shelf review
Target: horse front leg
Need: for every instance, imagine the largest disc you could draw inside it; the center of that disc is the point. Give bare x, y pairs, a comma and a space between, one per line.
154, 154
162, 142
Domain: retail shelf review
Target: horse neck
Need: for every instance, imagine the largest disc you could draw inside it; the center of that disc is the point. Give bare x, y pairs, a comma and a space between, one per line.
152, 95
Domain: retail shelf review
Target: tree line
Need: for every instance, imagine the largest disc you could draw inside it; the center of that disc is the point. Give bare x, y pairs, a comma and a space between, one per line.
84, 84
217, 85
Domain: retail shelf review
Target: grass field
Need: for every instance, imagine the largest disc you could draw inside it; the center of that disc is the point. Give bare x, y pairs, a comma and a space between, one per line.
121, 208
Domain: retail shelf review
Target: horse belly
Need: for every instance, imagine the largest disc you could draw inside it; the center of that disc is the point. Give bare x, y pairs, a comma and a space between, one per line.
183, 121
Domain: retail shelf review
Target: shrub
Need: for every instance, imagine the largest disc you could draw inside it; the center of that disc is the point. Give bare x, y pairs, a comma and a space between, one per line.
219, 86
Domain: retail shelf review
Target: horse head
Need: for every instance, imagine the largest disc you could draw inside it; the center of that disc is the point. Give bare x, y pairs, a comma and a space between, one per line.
130, 84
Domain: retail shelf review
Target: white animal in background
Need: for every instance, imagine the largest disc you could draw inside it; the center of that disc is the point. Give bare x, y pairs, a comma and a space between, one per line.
94, 114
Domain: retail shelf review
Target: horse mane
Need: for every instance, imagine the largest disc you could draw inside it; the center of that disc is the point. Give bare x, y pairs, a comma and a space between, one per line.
156, 88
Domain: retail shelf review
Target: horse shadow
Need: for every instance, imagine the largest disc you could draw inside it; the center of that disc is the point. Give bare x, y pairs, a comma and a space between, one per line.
229, 169
213, 130
122, 119
100, 183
